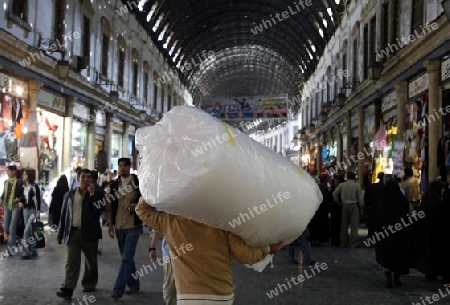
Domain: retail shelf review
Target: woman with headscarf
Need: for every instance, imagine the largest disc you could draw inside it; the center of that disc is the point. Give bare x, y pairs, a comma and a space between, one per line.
335, 214
62, 187
392, 249
431, 203
320, 226
444, 224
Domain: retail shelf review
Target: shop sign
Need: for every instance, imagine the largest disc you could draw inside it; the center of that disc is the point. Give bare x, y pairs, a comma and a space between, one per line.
100, 131
81, 111
445, 68
14, 87
52, 102
118, 125
418, 86
100, 118
388, 115
389, 101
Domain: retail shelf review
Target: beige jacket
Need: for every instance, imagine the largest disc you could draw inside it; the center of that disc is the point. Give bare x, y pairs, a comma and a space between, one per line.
205, 269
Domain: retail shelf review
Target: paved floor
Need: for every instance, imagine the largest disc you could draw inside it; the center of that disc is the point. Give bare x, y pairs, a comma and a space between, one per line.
351, 277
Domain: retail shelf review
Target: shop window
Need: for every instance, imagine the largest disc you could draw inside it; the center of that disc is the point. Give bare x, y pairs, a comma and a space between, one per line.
79, 143
116, 150
50, 146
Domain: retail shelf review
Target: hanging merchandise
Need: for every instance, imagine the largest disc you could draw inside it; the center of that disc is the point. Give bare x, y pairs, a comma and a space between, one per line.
397, 158
380, 138
49, 147
30, 131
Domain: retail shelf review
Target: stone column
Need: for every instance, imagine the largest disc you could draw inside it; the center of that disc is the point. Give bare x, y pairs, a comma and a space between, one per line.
401, 89
108, 138
434, 128
361, 142
90, 149
33, 92
319, 153
126, 132
67, 141
339, 144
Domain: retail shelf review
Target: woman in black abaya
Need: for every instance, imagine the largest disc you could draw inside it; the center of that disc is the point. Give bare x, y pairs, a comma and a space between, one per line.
393, 249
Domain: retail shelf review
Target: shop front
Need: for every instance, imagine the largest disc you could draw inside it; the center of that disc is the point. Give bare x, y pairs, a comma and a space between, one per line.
416, 131
100, 160
116, 143
383, 141
51, 109
13, 115
131, 147
81, 115
443, 149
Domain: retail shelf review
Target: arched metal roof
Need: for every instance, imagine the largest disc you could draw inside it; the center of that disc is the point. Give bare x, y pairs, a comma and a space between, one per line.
275, 60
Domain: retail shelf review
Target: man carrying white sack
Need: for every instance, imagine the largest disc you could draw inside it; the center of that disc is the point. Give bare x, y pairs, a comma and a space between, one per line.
203, 274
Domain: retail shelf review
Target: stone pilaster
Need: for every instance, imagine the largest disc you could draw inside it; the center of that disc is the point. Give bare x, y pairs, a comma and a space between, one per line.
67, 141
108, 139
90, 148
435, 128
361, 143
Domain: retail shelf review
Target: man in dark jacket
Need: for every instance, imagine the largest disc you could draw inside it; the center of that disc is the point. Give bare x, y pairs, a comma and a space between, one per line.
79, 229
126, 225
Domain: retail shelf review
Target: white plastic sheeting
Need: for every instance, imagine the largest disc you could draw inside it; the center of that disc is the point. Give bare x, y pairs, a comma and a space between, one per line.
194, 165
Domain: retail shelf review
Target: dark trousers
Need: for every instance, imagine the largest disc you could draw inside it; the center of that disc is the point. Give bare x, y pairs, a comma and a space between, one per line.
73, 262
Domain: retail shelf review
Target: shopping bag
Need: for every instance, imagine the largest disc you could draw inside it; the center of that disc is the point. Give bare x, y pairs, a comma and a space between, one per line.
38, 231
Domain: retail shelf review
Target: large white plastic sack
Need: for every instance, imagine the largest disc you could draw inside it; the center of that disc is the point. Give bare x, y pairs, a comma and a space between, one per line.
194, 165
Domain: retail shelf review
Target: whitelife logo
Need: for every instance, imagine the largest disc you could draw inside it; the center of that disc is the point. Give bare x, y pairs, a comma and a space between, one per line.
296, 280
146, 269
281, 17
263, 207
404, 41
393, 229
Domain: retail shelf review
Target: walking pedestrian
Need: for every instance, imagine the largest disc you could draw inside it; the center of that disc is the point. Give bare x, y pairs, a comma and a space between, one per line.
169, 289
10, 199
30, 203
126, 226
80, 231
62, 187
350, 194
393, 250
203, 275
